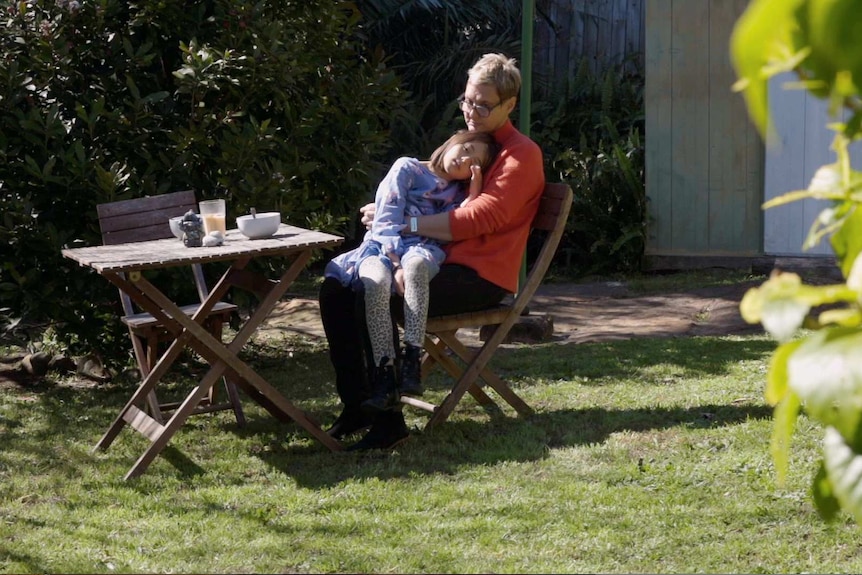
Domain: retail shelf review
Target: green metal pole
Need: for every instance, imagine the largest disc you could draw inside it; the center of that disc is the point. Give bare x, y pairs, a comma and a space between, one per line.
528, 12
526, 101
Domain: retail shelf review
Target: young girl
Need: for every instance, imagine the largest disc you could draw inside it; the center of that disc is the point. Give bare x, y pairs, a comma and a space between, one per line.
411, 188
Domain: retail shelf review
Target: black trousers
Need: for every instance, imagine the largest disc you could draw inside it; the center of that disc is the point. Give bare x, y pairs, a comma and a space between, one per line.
455, 289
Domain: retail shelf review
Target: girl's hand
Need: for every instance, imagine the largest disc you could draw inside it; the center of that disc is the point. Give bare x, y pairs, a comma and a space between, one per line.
367, 212
475, 185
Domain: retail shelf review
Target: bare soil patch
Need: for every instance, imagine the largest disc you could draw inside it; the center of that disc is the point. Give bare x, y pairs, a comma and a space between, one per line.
593, 312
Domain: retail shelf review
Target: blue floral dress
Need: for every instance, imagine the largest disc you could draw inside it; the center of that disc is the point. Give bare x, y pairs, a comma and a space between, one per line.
409, 189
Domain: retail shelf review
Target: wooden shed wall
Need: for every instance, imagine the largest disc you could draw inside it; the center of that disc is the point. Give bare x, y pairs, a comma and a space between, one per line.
704, 159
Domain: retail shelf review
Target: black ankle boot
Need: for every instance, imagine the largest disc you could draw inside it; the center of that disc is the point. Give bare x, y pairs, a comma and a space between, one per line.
411, 371
351, 420
384, 396
388, 432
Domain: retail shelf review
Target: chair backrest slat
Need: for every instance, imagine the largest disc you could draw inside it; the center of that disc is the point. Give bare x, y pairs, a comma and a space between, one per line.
550, 205
552, 217
142, 219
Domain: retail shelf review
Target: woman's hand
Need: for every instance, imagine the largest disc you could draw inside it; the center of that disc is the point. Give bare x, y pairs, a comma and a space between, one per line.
367, 213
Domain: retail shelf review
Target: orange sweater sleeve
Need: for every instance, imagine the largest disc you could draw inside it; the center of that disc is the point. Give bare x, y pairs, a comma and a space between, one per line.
490, 233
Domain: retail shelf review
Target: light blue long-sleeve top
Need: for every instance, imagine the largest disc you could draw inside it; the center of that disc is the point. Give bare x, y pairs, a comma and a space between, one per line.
408, 189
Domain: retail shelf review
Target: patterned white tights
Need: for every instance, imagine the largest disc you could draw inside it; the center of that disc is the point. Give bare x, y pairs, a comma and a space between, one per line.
377, 280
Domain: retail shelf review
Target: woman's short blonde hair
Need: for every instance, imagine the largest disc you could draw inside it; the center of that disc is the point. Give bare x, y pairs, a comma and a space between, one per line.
499, 71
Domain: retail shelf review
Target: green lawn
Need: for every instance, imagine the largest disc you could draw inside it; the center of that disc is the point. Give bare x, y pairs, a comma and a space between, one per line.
644, 456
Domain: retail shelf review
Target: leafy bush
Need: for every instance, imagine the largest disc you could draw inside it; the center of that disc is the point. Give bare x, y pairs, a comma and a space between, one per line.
591, 135
270, 104
590, 129
817, 371
431, 45
606, 232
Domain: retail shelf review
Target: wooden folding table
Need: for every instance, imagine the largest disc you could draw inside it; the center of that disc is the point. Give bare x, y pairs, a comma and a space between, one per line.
124, 265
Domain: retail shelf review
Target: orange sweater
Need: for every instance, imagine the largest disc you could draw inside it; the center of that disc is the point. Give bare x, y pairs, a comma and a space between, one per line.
490, 233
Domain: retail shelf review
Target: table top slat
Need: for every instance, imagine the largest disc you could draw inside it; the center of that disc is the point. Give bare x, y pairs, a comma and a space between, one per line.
172, 252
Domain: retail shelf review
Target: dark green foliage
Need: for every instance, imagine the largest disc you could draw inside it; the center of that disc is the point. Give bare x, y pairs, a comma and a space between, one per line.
591, 136
291, 105
590, 130
432, 44
271, 104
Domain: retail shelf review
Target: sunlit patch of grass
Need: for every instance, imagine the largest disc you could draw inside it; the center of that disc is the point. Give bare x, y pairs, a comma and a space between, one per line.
675, 281
645, 455
686, 280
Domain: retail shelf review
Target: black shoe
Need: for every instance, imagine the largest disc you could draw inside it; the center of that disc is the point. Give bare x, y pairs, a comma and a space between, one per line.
388, 432
384, 396
411, 371
350, 421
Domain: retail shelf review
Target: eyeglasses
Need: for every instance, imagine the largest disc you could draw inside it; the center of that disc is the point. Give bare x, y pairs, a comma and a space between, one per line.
482, 111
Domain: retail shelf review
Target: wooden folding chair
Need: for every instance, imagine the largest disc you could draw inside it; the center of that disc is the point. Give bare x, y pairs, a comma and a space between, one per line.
147, 219
441, 331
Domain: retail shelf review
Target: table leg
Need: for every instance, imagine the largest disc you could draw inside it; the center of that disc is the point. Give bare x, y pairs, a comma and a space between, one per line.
157, 372
221, 358
129, 285
253, 380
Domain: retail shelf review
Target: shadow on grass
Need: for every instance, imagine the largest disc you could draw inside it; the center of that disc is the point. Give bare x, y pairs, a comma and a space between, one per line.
82, 414
465, 442
183, 464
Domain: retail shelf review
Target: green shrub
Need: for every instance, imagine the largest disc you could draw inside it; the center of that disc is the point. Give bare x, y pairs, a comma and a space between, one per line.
591, 136
431, 45
589, 129
606, 232
272, 104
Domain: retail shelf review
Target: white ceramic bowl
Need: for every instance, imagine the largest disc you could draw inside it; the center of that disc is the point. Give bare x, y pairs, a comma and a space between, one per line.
259, 226
175, 226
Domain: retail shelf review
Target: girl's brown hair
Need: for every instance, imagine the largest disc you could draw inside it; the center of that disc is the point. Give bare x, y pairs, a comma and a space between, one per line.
464, 137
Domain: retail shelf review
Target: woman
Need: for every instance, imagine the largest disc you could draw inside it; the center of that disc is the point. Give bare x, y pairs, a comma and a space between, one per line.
483, 259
